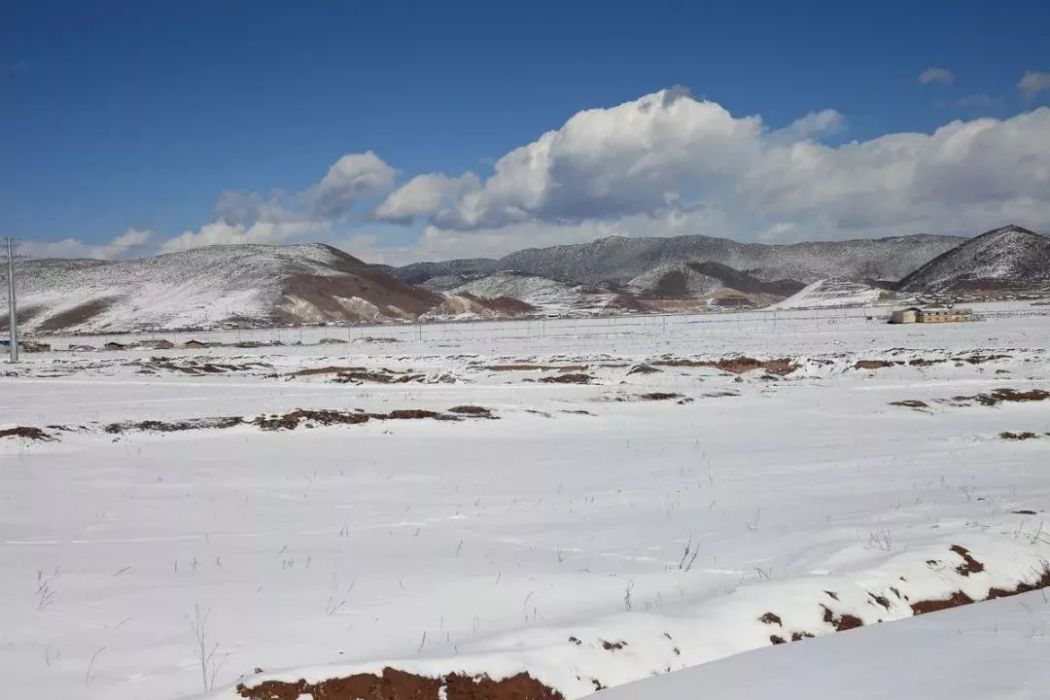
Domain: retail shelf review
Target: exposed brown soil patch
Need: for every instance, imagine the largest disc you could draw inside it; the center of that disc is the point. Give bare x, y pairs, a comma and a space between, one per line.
998, 396
735, 365
26, 432
771, 619
1007, 435
307, 418
472, 411
953, 601
874, 364
310, 418
383, 376
1042, 582
331, 369
193, 367
969, 565
775, 639
843, 622
159, 426
659, 396
571, 378
393, 684
78, 314
910, 403
613, 646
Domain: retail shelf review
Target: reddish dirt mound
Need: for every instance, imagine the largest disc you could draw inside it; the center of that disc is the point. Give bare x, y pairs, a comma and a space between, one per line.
874, 364
736, 365
567, 379
26, 432
399, 685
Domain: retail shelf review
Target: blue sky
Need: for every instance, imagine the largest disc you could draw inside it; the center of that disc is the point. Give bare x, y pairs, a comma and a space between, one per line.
129, 115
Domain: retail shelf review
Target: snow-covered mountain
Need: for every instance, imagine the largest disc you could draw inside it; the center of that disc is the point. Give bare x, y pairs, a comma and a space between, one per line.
619, 259
209, 287
1010, 258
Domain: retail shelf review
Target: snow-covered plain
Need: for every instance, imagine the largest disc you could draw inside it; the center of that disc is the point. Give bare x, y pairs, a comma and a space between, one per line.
485, 545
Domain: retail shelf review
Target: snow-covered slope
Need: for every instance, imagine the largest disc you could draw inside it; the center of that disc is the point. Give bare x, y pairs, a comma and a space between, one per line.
992, 650
549, 296
1007, 258
833, 293
673, 281
212, 286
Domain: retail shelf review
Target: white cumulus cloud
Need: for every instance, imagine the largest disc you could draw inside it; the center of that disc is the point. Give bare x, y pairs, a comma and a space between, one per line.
352, 178
423, 195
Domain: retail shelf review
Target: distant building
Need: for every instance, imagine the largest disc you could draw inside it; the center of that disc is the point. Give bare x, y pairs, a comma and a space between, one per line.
915, 314
112, 345
160, 344
31, 346
82, 348
908, 315
194, 345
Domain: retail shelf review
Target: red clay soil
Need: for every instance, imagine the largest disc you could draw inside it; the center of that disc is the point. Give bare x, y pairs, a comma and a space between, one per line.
26, 432
843, 622
969, 565
393, 684
955, 600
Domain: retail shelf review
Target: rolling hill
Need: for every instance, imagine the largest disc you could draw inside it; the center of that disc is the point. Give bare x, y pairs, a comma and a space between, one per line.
210, 287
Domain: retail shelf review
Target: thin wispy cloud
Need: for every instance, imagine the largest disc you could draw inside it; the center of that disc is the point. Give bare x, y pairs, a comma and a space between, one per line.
1032, 83
934, 74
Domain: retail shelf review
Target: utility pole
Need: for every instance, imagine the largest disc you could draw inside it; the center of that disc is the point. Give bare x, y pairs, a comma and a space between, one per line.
12, 305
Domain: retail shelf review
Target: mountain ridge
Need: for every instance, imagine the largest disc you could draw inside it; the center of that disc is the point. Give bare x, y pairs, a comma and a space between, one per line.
620, 258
